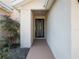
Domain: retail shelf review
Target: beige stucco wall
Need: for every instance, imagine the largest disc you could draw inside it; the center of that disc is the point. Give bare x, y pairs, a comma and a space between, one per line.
75, 29
26, 21
58, 29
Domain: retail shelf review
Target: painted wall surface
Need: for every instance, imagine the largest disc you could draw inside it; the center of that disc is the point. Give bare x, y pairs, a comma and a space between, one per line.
58, 29
26, 21
25, 28
75, 29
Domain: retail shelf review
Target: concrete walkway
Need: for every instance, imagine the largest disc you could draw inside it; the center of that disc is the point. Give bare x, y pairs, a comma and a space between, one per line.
40, 50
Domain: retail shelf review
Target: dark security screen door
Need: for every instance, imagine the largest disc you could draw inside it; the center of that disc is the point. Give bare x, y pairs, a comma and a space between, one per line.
39, 28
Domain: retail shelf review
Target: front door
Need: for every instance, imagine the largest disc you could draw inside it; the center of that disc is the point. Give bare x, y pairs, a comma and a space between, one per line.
39, 28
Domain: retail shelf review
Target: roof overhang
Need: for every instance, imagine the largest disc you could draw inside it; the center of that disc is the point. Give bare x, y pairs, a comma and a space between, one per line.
15, 2
6, 7
49, 3
20, 3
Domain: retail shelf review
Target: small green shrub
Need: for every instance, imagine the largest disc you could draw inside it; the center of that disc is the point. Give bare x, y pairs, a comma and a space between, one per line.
4, 53
11, 29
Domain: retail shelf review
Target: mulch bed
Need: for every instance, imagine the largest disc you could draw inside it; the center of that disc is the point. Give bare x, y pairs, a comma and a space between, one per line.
18, 53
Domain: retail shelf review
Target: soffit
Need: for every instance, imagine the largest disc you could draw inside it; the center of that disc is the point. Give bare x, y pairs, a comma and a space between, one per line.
22, 2
39, 12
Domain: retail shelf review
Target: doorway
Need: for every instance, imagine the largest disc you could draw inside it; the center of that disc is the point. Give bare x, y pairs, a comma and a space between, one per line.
39, 19
39, 28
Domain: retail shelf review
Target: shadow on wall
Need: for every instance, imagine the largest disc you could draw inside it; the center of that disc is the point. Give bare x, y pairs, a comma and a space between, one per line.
53, 3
